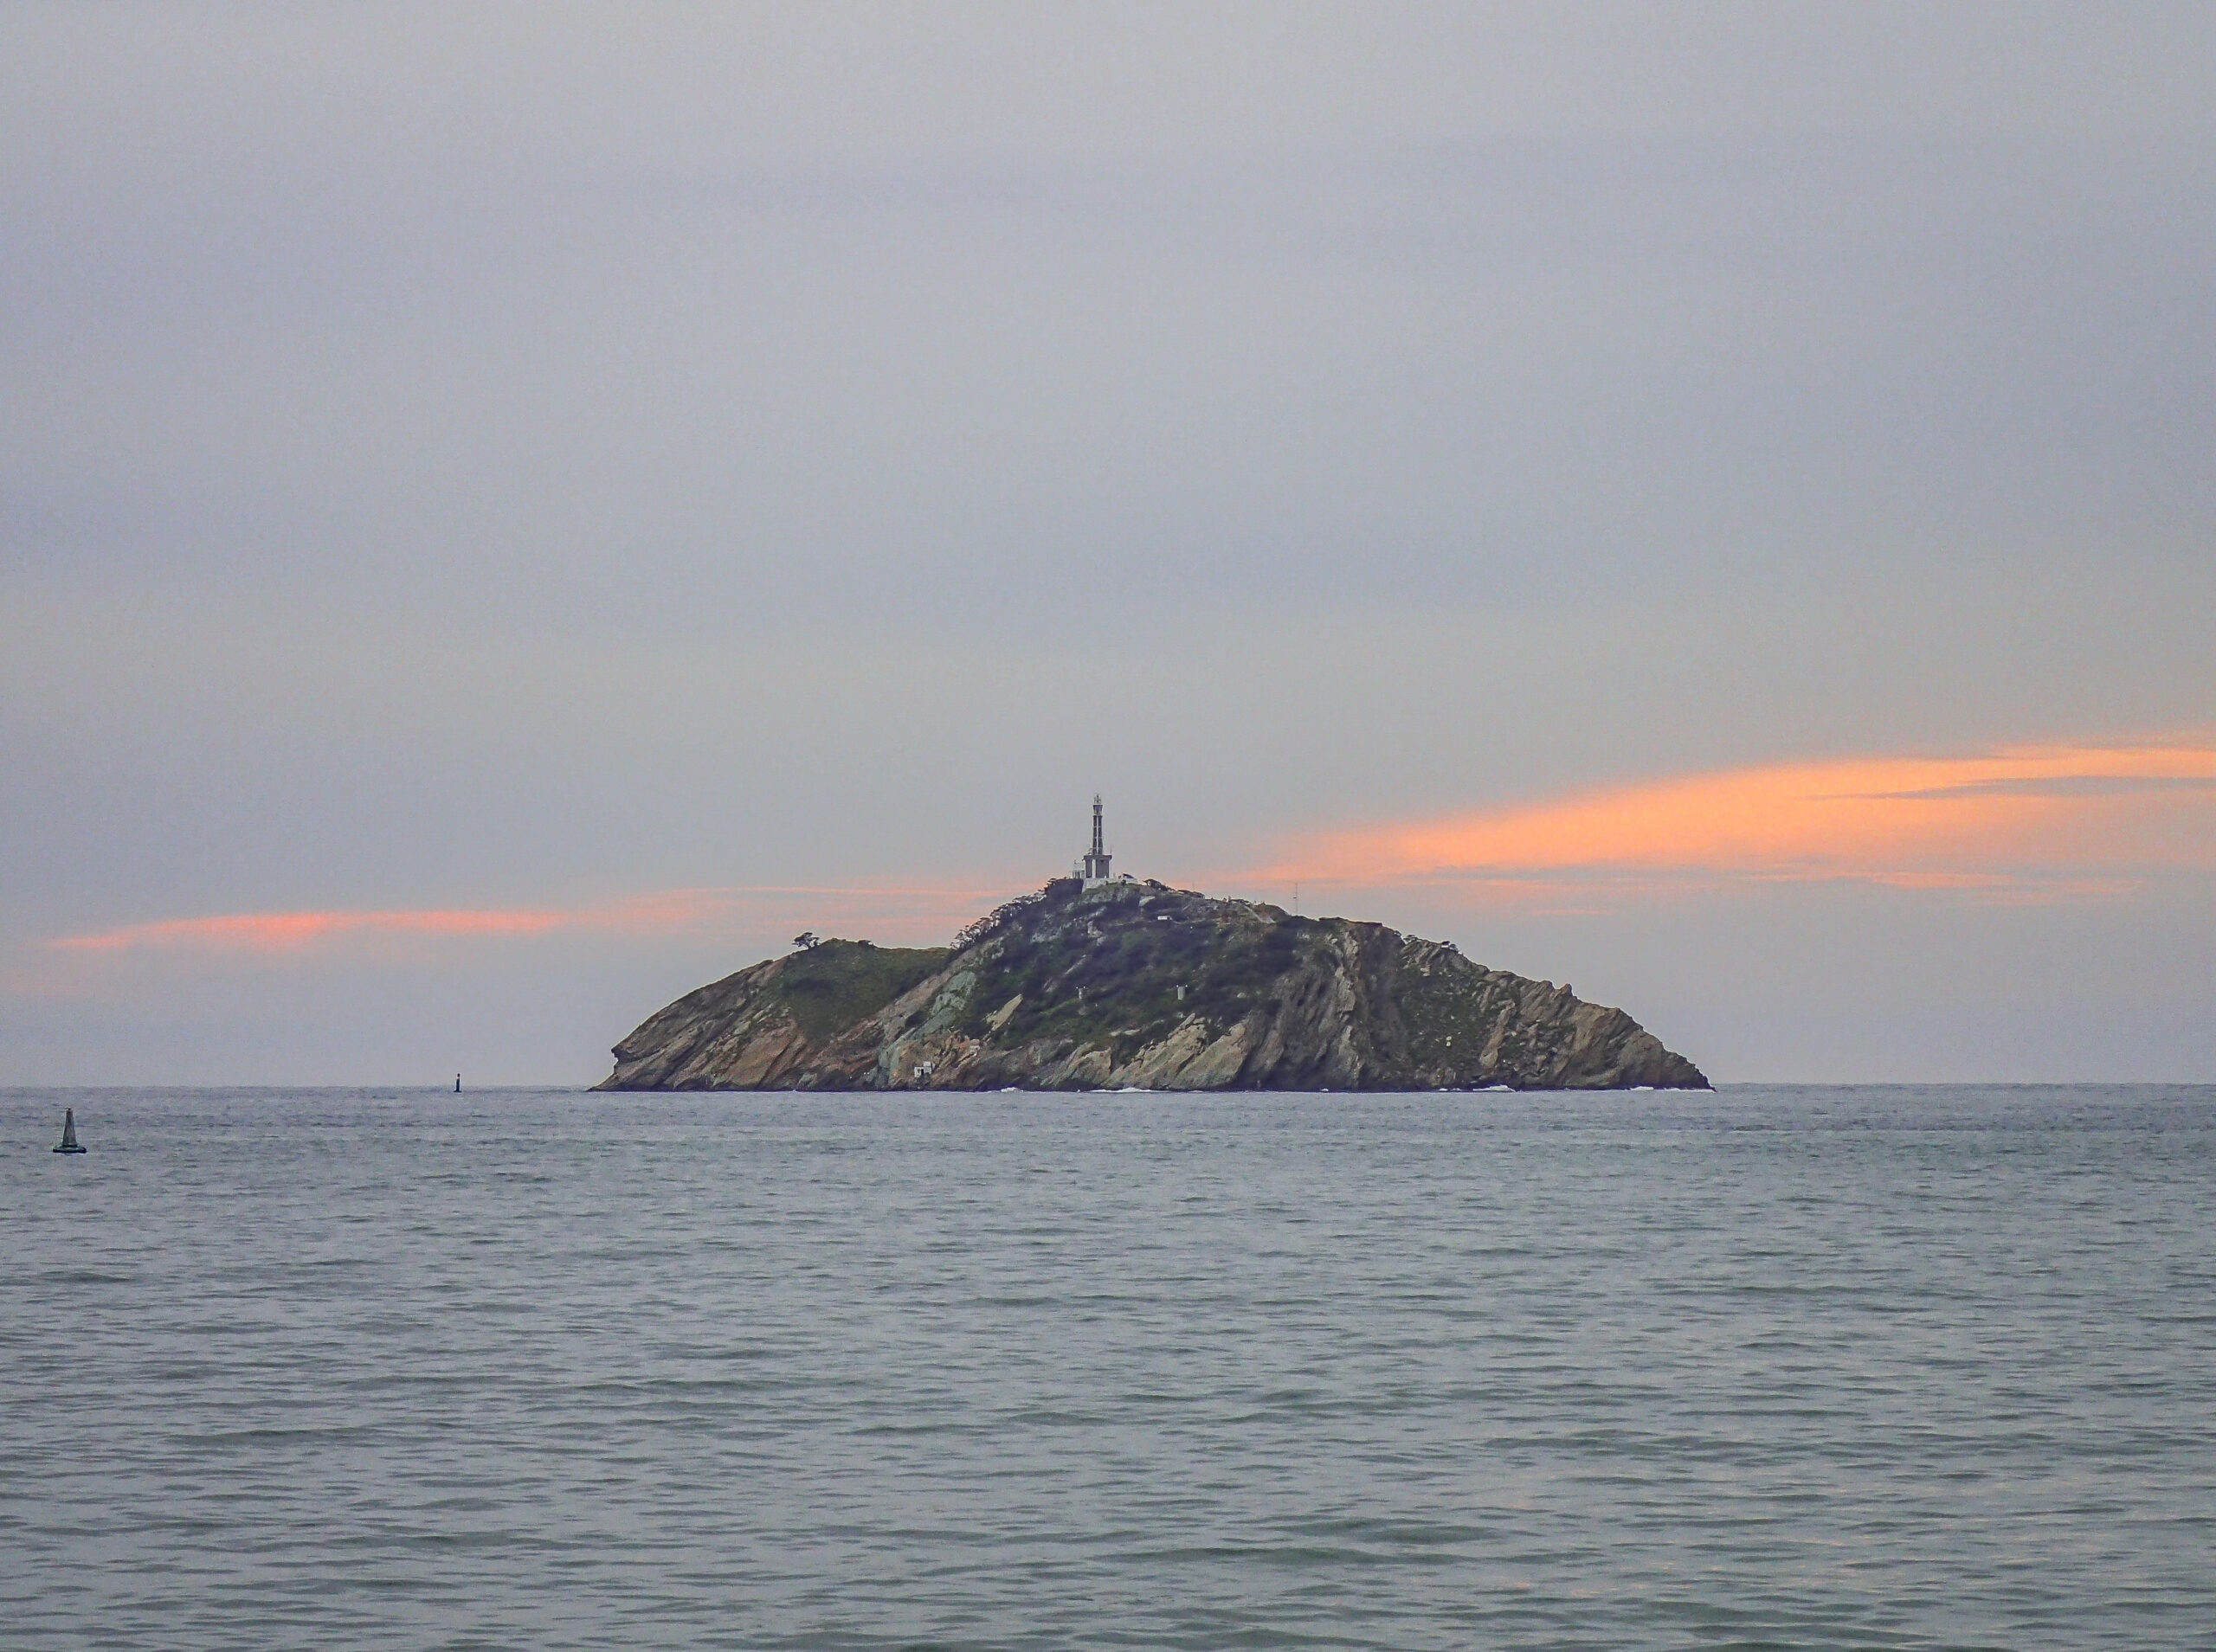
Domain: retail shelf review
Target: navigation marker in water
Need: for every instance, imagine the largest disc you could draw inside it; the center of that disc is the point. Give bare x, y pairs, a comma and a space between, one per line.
69, 1132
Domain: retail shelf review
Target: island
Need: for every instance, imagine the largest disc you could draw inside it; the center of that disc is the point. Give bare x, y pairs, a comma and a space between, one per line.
1100, 983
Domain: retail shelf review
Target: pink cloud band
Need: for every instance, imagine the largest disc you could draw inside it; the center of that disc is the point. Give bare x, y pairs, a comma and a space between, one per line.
664, 912
2081, 820
2061, 822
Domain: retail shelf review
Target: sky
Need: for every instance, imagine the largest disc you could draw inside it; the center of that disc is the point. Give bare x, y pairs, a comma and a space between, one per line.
508, 513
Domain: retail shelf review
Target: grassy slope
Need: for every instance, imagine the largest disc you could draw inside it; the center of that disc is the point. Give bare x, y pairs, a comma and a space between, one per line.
830, 987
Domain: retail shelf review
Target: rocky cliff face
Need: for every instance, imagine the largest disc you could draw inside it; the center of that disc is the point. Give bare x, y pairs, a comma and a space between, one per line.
1140, 985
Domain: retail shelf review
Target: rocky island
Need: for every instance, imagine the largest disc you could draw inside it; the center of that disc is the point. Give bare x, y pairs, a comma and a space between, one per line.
1099, 984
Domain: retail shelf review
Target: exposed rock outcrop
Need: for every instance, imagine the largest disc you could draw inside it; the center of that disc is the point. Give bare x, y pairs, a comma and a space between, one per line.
1136, 984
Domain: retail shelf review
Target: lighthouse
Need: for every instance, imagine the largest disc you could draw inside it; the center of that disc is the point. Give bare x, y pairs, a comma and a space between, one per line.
1095, 863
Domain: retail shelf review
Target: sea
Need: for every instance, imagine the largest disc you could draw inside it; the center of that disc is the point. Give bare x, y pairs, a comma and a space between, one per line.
1769, 1367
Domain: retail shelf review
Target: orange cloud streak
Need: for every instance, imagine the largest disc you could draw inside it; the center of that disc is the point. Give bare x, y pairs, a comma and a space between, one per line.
664, 912
1996, 821
290, 931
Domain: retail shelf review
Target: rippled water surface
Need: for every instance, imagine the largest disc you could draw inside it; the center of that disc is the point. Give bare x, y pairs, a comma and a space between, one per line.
1773, 1368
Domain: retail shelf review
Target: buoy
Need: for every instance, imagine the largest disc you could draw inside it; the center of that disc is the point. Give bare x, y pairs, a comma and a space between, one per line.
69, 1132
457, 1083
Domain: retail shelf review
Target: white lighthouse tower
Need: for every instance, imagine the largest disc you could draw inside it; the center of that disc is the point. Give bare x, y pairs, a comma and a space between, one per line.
1095, 863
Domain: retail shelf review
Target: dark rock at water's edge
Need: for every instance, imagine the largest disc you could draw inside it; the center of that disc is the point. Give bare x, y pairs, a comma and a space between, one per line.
1136, 984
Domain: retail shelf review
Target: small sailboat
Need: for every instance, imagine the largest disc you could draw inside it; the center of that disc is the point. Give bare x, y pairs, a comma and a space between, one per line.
69, 1132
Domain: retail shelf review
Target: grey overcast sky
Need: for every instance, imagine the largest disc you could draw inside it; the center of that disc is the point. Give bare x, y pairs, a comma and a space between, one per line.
507, 512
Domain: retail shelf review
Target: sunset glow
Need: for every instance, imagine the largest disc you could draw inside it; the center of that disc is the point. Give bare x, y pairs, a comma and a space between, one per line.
664, 912
2086, 819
